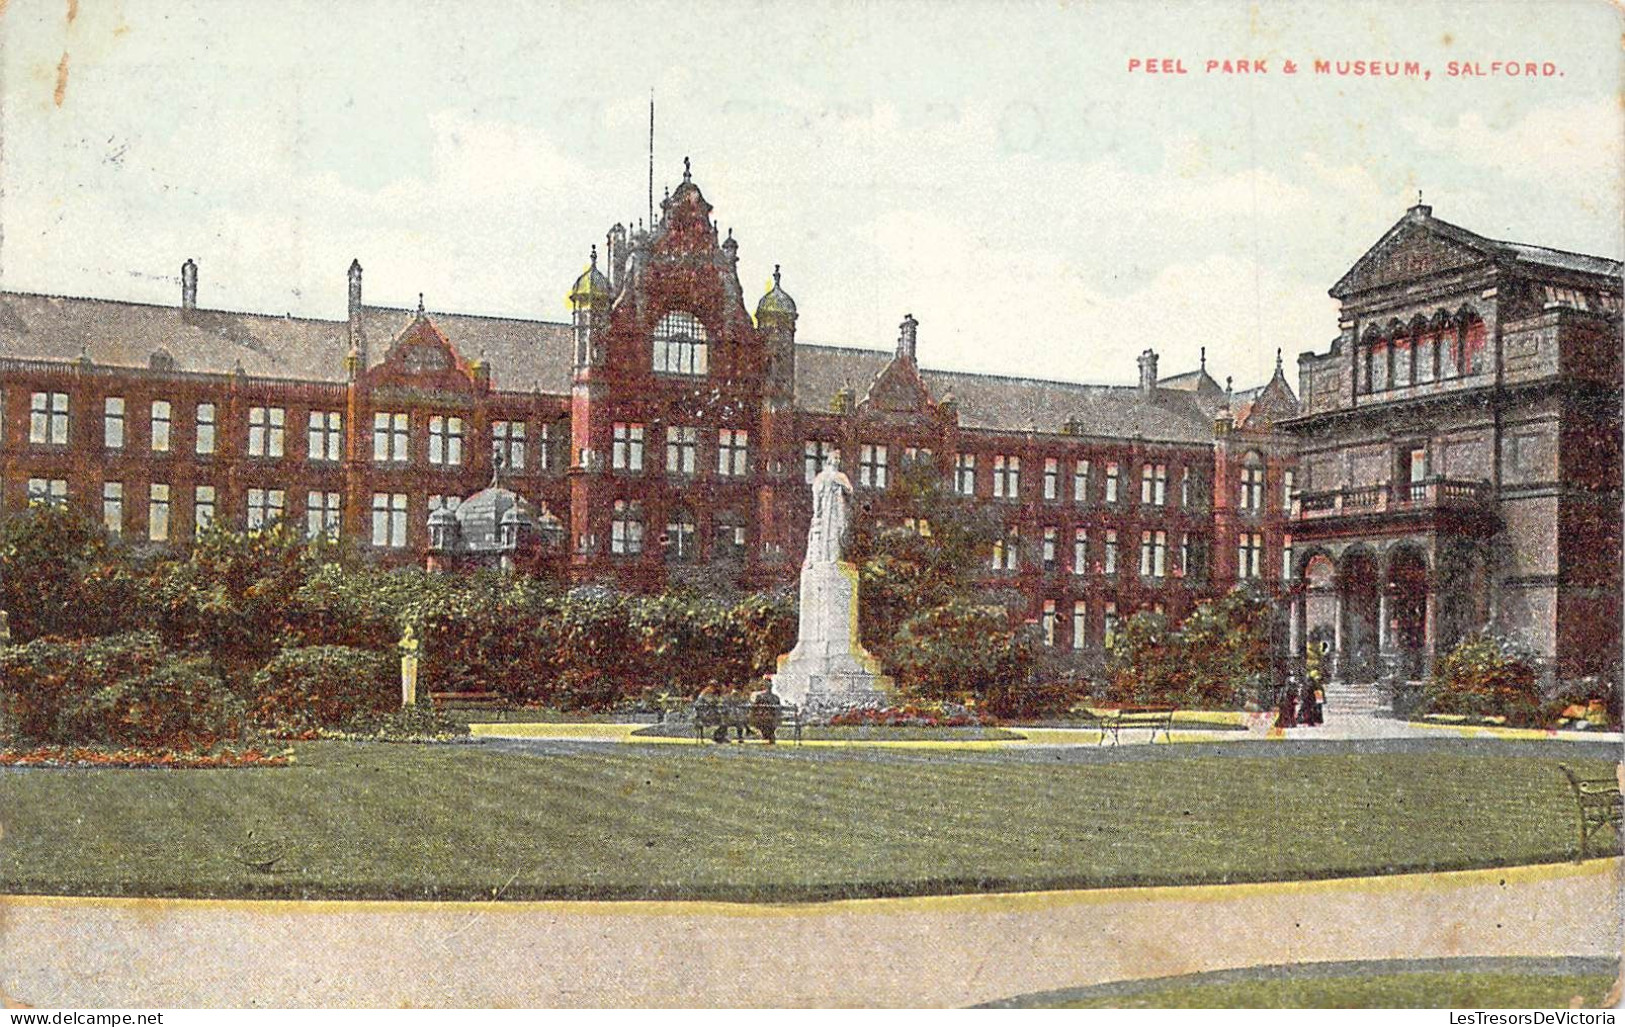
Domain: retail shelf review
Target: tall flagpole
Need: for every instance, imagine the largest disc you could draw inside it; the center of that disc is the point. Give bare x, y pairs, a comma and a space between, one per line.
651, 159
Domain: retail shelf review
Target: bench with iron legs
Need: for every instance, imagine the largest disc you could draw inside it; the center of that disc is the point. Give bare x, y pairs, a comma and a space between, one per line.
719, 716
1111, 723
1598, 803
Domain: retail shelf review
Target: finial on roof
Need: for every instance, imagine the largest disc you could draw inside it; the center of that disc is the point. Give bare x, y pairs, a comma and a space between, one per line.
775, 276
687, 174
1203, 366
1418, 197
420, 304
1227, 380
594, 255
1277, 360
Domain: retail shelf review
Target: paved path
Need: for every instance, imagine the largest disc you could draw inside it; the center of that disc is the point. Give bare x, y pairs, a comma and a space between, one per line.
943, 951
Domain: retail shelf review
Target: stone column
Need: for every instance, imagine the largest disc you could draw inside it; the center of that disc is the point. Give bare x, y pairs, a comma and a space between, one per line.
1429, 629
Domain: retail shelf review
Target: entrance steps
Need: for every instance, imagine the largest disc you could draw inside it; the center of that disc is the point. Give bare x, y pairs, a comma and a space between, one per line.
1354, 699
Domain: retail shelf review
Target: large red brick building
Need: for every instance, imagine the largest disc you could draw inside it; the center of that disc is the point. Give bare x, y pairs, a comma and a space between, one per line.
667, 433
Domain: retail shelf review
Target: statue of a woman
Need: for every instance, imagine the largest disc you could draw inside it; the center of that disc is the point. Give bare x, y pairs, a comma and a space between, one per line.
832, 503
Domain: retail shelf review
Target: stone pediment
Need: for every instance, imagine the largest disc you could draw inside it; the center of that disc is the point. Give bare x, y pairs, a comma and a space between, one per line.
1416, 247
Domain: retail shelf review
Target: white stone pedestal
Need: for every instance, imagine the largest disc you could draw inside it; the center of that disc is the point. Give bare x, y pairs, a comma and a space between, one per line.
829, 668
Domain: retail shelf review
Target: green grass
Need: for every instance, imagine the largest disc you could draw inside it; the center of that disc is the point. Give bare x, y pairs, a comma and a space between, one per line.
758, 824
1425, 990
853, 733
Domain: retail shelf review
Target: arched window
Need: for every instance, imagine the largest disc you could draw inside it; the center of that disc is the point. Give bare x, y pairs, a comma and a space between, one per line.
679, 344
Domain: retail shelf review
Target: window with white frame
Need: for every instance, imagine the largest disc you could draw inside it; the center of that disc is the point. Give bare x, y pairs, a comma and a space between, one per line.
391, 437
1080, 551
1047, 621
626, 446
1080, 623
965, 474
1052, 478
264, 506
679, 344
1252, 484
324, 514
1184, 486
1007, 477
48, 418
544, 444
1111, 481
1153, 554
389, 520
815, 453
1110, 618
682, 443
872, 466
1050, 537
202, 508
508, 445
1286, 557
733, 452
1007, 551
1287, 481
1080, 481
626, 528
47, 491
113, 507
1110, 553
441, 502
731, 536
1154, 484
266, 426
158, 512
445, 440
113, 422
158, 436
1249, 554
1184, 553
680, 542
203, 444
325, 438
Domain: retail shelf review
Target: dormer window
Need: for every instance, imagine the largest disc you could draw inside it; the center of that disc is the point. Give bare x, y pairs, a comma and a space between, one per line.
679, 345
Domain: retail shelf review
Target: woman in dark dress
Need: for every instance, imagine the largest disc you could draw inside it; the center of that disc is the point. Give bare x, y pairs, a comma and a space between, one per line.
1310, 707
1286, 710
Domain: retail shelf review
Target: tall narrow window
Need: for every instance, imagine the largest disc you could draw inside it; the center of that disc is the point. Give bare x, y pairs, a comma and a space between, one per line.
1052, 478
113, 507
204, 443
389, 520
872, 466
1154, 484
265, 431
48, 418
680, 545
1111, 552
1184, 486
626, 449
1080, 481
1111, 481
965, 474
113, 422
1250, 553
544, 445
265, 506
1007, 477
815, 453
1080, 623
679, 344
445, 441
158, 513
1286, 557
1287, 478
390, 438
1252, 484
1048, 622
325, 439
1007, 551
626, 528
1080, 551
733, 452
681, 445
159, 435
323, 514
1153, 554
1050, 535
508, 445
1110, 618
202, 508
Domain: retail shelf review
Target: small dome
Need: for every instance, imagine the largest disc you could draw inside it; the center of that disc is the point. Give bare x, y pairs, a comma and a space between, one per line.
519, 513
592, 285
442, 517
777, 301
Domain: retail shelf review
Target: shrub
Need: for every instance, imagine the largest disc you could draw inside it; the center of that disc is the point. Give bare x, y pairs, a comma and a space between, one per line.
926, 714
419, 722
1215, 660
961, 651
121, 690
1487, 675
61, 575
321, 686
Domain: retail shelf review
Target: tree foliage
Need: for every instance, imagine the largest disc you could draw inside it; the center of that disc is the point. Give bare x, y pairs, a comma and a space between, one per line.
1217, 659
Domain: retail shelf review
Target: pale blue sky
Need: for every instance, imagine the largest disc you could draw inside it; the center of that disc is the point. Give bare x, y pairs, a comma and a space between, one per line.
991, 167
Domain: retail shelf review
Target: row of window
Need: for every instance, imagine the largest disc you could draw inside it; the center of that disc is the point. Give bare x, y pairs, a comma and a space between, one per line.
627, 534
268, 428
1154, 553
1049, 623
682, 449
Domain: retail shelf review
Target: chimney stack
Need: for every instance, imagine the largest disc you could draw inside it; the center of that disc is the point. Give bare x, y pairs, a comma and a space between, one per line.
356, 360
615, 255
189, 285
907, 337
1148, 372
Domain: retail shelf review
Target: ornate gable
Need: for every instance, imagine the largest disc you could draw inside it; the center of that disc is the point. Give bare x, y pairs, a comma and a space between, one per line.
1414, 248
422, 358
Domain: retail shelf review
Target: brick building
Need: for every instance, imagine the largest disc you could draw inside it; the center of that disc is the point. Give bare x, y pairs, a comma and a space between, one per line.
1459, 454
665, 434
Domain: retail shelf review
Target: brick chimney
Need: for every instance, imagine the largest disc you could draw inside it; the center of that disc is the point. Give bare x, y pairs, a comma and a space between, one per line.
189, 285
908, 337
1148, 372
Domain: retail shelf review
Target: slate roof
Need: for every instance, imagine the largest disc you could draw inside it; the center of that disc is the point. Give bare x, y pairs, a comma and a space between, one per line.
524, 355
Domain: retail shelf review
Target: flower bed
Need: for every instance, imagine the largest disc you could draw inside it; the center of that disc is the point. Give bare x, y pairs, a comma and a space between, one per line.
913, 715
92, 756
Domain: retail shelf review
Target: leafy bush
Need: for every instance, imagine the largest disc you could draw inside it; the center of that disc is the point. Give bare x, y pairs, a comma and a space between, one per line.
1595, 700
961, 651
121, 690
62, 575
419, 722
1216, 660
1487, 675
321, 686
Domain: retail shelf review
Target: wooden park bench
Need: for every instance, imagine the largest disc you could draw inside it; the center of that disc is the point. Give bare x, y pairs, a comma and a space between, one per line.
1599, 804
1111, 723
735, 715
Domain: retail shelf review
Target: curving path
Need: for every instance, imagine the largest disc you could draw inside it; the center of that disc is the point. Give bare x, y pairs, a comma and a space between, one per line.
942, 951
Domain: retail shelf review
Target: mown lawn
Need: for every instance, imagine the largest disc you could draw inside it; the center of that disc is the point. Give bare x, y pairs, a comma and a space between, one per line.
466, 821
